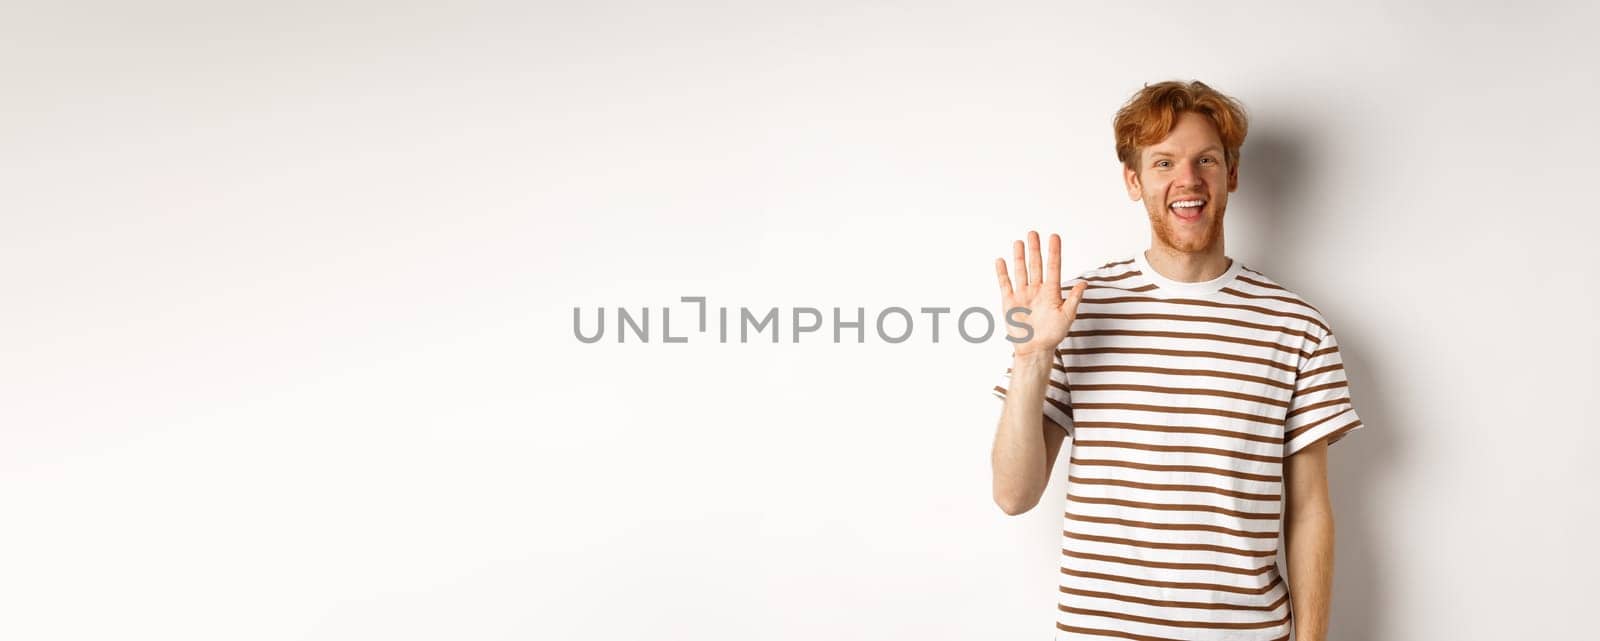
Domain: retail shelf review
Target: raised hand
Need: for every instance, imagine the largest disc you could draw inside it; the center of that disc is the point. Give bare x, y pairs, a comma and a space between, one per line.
1038, 288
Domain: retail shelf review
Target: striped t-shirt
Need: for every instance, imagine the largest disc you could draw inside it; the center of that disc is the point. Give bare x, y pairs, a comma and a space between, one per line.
1181, 401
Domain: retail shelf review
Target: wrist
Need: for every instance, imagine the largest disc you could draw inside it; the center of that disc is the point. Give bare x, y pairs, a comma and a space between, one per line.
1036, 357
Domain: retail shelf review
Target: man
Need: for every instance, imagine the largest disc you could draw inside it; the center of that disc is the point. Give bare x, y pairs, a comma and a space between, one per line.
1199, 395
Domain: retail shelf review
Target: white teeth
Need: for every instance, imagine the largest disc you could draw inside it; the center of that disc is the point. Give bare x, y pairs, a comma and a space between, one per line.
1189, 203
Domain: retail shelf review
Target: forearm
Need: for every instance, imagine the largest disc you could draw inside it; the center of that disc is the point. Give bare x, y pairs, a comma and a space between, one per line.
1309, 534
1019, 455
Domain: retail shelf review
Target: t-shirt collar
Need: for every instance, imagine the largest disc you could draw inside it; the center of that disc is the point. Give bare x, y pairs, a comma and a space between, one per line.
1167, 287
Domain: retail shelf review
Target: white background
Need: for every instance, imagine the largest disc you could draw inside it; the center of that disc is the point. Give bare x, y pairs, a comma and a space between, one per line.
288, 291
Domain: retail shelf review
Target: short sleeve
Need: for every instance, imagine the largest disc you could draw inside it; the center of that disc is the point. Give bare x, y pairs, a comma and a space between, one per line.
1321, 407
1057, 401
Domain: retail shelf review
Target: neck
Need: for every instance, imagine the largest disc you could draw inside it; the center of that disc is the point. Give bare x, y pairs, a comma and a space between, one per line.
1188, 267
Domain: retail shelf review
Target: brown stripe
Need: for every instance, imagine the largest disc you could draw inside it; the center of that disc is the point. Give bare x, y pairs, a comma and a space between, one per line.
1184, 429
1177, 468
1142, 288
1199, 605
1171, 487
1175, 372
1322, 370
1287, 299
1175, 622
1192, 335
1339, 430
1187, 527
1337, 434
1168, 546
1168, 584
1258, 283
1327, 386
1067, 287
1120, 262
1321, 352
1065, 408
1170, 409
1192, 449
1182, 390
1207, 567
1287, 331
1127, 635
1291, 434
1298, 411
1105, 279
1265, 311
1174, 507
1192, 353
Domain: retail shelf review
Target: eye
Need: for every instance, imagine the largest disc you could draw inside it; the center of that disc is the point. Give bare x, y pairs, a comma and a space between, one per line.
1163, 163
1208, 159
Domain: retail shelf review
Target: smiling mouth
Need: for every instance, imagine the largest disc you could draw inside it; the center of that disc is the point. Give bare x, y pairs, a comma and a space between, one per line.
1187, 210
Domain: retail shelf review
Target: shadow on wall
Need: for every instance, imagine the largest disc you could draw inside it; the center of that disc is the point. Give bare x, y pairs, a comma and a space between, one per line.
1273, 172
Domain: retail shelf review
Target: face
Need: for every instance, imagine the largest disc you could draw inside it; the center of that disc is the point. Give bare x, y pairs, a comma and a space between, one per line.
1184, 183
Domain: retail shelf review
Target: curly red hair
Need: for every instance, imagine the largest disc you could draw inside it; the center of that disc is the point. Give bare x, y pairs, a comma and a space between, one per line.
1149, 116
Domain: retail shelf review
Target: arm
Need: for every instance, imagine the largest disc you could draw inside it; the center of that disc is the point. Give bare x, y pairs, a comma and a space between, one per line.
1026, 441
1308, 530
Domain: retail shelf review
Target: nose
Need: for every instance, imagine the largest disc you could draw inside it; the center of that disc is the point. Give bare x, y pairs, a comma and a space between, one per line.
1188, 175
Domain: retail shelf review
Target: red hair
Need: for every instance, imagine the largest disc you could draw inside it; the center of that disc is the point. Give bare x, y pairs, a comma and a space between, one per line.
1149, 116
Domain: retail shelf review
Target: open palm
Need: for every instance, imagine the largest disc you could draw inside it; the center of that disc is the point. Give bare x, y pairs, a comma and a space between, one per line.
1038, 288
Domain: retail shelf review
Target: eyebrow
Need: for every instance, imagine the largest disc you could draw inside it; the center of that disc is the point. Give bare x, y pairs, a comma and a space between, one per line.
1212, 149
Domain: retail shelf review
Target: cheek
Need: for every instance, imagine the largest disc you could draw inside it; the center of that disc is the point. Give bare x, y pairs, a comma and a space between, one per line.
1157, 194
1152, 190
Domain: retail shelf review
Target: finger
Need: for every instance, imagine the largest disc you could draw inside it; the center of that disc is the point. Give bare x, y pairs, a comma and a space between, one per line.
1005, 281
1052, 269
1019, 264
1035, 269
1074, 296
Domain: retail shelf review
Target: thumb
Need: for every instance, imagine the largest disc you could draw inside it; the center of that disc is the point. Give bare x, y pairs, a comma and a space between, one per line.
1074, 295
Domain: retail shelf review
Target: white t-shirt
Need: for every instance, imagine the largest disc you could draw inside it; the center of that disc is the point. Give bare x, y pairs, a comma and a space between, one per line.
1182, 401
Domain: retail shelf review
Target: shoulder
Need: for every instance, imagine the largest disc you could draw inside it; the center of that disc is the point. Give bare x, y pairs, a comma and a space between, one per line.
1254, 287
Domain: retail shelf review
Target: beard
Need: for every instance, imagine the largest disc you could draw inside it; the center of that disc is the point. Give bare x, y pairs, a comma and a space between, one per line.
1187, 238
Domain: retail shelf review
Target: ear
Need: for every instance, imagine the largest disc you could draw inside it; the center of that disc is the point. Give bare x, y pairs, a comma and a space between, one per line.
1233, 176
1130, 179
